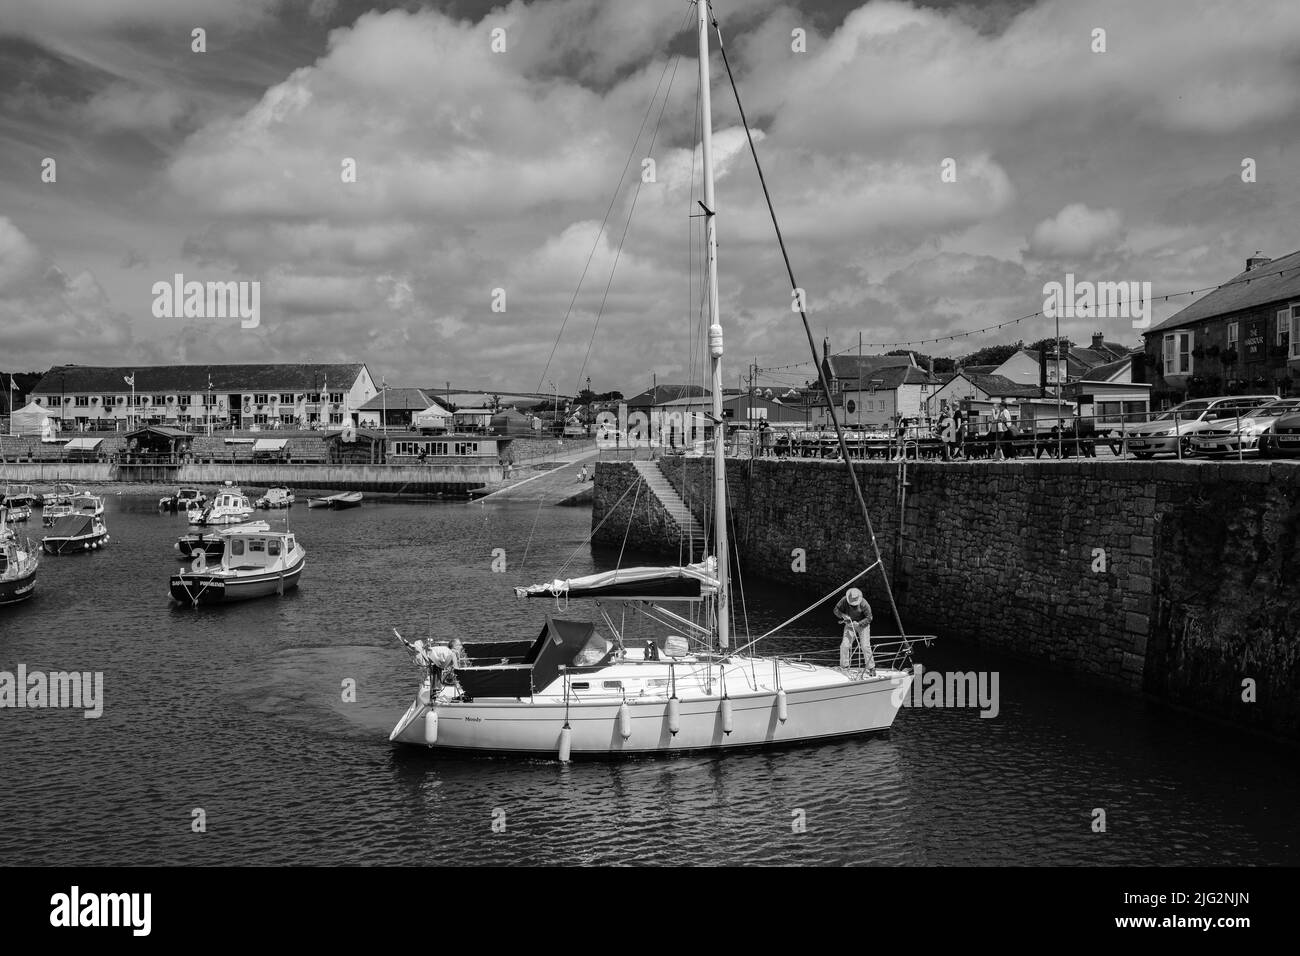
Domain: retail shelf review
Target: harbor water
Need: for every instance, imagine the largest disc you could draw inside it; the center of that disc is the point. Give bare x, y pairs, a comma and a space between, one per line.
257, 733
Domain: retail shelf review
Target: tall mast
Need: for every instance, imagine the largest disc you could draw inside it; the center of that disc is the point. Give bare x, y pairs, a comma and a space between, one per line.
715, 341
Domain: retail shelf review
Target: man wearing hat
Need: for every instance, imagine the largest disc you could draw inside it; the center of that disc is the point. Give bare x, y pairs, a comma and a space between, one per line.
855, 612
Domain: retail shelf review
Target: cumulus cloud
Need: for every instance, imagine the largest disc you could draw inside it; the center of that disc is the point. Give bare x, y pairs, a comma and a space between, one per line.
45, 311
1075, 232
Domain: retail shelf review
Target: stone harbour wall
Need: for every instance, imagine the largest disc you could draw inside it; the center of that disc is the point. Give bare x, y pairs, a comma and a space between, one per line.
1177, 579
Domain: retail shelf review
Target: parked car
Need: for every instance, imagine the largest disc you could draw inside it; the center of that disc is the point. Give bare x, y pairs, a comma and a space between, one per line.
1244, 435
1173, 429
1283, 439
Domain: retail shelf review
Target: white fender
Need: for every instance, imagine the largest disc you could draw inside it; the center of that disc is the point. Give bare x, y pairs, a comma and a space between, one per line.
674, 715
624, 721
726, 715
431, 726
566, 743
782, 710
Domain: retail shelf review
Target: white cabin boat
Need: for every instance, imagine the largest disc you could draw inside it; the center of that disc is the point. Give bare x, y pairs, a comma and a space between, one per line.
254, 563
229, 507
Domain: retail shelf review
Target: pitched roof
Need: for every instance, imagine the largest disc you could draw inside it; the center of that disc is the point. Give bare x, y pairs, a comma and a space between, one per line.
847, 366
981, 369
1245, 290
1108, 370
999, 386
194, 378
403, 400
664, 393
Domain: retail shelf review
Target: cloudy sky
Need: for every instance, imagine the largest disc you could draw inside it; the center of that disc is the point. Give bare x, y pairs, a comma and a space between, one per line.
480, 170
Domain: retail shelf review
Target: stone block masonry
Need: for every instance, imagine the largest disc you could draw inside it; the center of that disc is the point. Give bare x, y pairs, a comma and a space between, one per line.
1177, 579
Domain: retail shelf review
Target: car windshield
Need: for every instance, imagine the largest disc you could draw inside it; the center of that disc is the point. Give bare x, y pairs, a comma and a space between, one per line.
1185, 411
1272, 410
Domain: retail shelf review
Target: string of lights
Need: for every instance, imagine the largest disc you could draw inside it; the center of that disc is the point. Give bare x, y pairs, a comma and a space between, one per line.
1255, 276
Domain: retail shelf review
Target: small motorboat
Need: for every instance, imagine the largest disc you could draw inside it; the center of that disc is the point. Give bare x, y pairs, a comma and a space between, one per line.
20, 496
229, 507
279, 497
16, 513
213, 543
254, 564
183, 500
57, 503
18, 563
348, 499
74, 533
87, 504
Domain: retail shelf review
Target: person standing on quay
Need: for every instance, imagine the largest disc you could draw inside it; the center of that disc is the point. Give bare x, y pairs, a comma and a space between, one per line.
1002, 428
947, 429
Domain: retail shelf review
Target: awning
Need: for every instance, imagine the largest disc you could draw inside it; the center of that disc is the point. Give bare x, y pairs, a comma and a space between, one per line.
85, 444
690, 583
270, 444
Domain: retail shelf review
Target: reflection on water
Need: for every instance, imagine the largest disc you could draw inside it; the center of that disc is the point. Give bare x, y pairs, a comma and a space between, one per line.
240, 711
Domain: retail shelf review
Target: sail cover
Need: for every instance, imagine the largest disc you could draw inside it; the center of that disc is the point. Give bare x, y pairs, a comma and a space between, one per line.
690, 583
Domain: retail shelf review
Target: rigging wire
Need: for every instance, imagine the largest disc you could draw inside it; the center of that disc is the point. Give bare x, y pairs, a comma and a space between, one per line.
803, 315
618, 252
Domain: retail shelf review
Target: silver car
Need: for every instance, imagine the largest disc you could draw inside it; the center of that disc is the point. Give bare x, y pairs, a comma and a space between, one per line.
1171, 431
1244, 435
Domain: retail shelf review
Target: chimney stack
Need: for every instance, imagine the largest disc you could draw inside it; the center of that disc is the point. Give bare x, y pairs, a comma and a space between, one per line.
1098, 340
1257, 260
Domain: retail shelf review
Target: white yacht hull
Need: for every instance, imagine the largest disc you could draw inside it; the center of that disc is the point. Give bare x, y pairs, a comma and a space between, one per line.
834, 704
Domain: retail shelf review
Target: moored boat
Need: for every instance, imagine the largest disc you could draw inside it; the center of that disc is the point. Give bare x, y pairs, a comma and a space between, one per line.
229, 507
17, 513
57, 503
253, 564
213, 543
18, 565
19, 496
278, 497
183, 500
584, 689
75, 533
347, 499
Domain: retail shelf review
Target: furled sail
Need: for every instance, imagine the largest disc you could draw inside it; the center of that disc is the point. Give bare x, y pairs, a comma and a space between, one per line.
693, 582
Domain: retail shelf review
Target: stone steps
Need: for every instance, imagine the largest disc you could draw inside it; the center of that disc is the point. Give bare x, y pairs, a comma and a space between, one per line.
691, 530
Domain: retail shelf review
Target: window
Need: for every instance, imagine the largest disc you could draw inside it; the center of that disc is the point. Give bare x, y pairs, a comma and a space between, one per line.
273, 548
160, 399
261, 419
313, 417
466, 448
1178, 353
260, 398
183, 400
256, 546
286, 398
237, 547
106, 400
1281, 332
336, 397
82, 401
141, 400
1295, 331
313, 397
336, 418
286, 419
1232, 335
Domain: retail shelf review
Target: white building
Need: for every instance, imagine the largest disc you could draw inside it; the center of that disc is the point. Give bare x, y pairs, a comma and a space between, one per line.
225, 396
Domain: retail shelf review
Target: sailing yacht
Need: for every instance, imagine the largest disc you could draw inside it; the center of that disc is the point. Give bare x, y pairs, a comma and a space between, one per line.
584, 689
